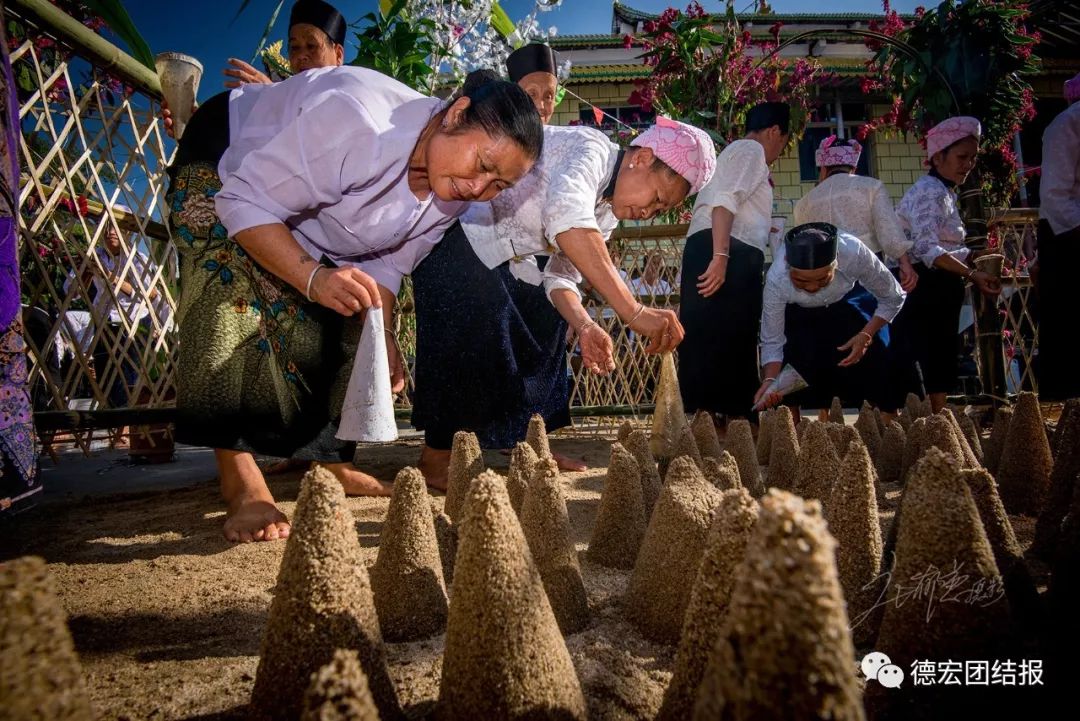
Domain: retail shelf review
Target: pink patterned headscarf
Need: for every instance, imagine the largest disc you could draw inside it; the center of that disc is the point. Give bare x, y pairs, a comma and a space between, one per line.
829, 154
688, 150
1072, 89
949, 131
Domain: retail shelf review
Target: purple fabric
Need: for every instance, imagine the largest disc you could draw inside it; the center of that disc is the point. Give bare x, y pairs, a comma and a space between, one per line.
9, 174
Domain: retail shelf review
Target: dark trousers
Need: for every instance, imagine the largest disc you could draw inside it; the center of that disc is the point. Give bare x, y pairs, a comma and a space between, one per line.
926, 335
1059, 259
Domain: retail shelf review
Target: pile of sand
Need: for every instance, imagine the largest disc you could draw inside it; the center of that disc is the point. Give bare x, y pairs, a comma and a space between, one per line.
621, 520
339, 692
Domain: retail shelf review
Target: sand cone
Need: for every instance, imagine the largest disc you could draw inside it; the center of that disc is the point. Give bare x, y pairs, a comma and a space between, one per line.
709, 599
801, 427
447, 540
971, 435
624, 431
818, 465
41, 676
890, 457
322, 602
841, 437
765, 434
687, 446
914, 406
1062, 479
546, 526
705, 434
740, 443
853, 519
659, 588
882, 426
505, 657
621, 519
836, 411
867, 427
669, 418
941, 434
913, 447
784, 649
339, 691
940, 533
522, 464
969, 459
537, 436
407, 578
784, 458
1023, 475
638, 446
466, 463
722, 472
904, 419
996, 443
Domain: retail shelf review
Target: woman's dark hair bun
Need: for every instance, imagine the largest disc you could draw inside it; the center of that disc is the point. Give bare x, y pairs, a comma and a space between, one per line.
478, 79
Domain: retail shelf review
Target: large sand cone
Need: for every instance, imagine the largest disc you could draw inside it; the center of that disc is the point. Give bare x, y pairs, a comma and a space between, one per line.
941, 534
447, 540
1062, 480
709, 599
547, 530
995, 444
913, 447
1023, 475
969, 460
322, 602
890, 456
505, 657
853, 520
1019, 585
522, 464
784, 457
407, 578
941, 434
536, 436
722, 472
466, 463
867, 426
881, 424
41, 677
971, 435
638, 446
659, 588
784, 650
339, 691
705, 434
818, 465
740, 442
766, 420
841, 437
621, 520
836, 411
687, 446
913, 404
624, 431
669, 418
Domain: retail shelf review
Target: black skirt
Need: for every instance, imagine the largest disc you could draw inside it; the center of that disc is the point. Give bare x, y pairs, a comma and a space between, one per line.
1059, 257
490, 350
718, 359
813, 336
926, 335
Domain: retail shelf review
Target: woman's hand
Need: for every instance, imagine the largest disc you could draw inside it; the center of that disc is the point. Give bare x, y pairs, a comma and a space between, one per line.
857, 346
345, 290
397, 366
714, 276
908, 277
986, 283
166, 117
597, 349
244, 73
661, 327
770, 399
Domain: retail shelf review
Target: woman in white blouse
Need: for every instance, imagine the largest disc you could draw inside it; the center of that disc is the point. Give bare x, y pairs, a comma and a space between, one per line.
724, 266
812, 320
567, 207
925, 334
297, 206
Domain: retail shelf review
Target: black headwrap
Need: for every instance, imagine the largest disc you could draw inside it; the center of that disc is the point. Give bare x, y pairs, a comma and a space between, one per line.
322, 15
766, 115
810, 246
534, 58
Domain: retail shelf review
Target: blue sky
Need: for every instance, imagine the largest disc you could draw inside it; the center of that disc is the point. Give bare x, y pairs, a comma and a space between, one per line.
203, 28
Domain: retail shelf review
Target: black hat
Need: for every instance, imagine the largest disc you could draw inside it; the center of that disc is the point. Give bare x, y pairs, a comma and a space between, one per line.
534, 58
322, 15
766, 115
810, 246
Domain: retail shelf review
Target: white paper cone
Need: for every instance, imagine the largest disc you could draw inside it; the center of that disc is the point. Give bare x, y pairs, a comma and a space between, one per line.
179, 75
367, 415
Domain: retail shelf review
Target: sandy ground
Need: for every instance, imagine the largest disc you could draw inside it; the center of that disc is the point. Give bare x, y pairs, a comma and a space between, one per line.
168, 617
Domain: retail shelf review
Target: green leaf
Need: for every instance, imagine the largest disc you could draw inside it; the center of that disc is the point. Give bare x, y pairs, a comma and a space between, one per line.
116, 17
501, 21
266, 31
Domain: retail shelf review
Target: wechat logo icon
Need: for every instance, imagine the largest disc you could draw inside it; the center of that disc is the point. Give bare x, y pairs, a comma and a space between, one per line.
878, 667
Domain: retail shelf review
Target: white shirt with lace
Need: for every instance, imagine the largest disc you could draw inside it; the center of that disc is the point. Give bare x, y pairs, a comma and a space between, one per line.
930, 216
740, 184
1059, 188
858, 205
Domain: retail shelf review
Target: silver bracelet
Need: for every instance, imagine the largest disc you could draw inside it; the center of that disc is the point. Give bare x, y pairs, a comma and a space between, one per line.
307, 291
640, 310
721, 253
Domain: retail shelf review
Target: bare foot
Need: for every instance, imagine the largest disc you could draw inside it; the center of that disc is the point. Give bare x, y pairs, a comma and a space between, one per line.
284, 466
435, 465
566, 463
356, 482
255, 519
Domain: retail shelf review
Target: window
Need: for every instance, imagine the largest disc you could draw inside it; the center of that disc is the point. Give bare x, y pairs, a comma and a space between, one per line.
632, 115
